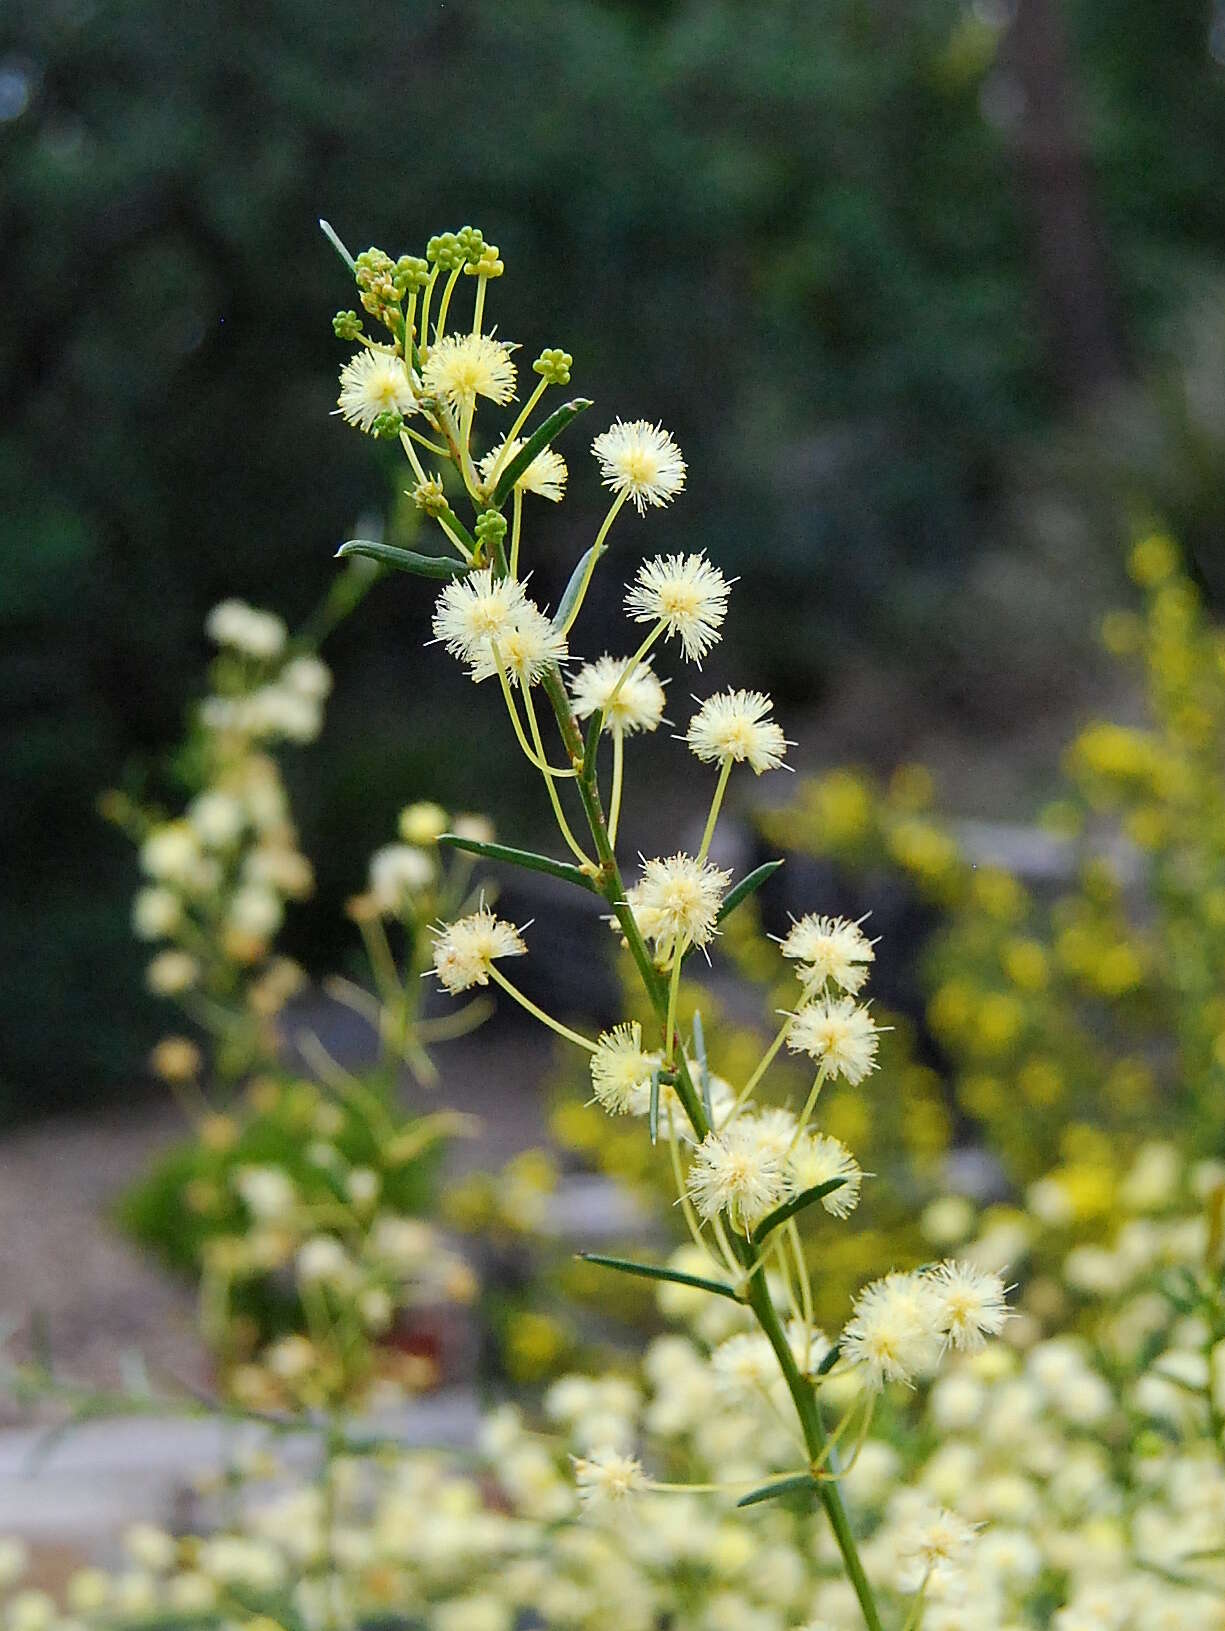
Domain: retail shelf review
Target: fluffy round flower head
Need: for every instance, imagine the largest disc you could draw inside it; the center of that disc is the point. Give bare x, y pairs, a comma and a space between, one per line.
397, 873
679, 899
829, 950
818, 1158
465, 366
894, 1331
620, 1067
935, 1544
526, 650
738, 1171
374, 383
687, 594
972, 1302
606, 1478
546, 475
642, 460
744, 1362
472, 611
838, 1033
464, 950
638, 705
732, 725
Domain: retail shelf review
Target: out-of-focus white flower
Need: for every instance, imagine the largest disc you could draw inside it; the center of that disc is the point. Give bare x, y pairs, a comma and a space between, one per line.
243, 628
322, 1260
217, 819
171, 973
255, 911
398, 872
422, 823
156, 913
266, 1192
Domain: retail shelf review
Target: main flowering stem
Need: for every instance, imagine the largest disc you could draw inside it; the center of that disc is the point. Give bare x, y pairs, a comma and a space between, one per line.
757, 1297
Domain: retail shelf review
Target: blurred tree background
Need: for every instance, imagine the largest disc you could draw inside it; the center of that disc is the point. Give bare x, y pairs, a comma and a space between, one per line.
927, 292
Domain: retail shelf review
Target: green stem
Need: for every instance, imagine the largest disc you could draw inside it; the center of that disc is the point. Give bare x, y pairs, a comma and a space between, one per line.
763, 1065
674, 986
423, 339
440, 327
614, 801
596, 551
809, 1106
514, 430
515, 525
425, 442
805, 1401
538, 1013
716, 804
478, 310
563, 825
631, 667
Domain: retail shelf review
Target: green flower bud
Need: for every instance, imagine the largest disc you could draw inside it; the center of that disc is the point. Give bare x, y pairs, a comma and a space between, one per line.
471, 241
486, 264
370, 266
554, 365
387, 426
490, 529
445, 251
411, 272
430, 496
346, 325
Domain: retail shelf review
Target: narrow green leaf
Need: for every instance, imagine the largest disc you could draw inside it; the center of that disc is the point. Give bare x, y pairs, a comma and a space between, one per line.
591, 746
797, 1203
571, 592
403, 560
653, 1116
330, 234
830, 1360
525, 858
649, 1271
784, 1486
536, 443
746, 887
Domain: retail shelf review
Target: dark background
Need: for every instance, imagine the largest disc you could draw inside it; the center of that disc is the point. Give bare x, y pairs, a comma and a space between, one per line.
929, 292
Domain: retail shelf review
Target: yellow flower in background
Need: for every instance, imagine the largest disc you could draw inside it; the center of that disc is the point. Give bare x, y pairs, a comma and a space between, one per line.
1153, 559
